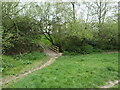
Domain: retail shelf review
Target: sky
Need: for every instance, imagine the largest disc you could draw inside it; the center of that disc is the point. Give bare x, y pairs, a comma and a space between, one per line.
84, 15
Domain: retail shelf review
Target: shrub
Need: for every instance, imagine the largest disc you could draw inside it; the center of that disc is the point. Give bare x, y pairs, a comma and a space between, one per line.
65, 53
71, 44
69, 53
74, 44
86, 49
97, 50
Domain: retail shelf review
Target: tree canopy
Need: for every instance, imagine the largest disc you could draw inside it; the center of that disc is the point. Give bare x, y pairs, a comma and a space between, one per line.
72, 26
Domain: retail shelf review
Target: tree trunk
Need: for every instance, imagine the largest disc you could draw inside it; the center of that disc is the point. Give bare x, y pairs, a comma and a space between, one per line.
73, 6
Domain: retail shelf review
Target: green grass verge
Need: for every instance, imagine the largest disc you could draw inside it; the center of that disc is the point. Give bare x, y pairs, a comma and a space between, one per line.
12, 65
79, 71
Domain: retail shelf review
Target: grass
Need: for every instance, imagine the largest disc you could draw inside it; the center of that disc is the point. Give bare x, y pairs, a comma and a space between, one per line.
13, 65
78, 71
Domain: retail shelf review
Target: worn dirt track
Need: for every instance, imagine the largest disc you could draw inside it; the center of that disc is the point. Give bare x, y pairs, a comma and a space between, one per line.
110, 84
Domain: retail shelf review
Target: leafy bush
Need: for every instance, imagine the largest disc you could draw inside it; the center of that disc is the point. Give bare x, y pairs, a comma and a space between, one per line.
75, 45
70, 53
19, 40
86, 49
71, 44
65, 53
97, 50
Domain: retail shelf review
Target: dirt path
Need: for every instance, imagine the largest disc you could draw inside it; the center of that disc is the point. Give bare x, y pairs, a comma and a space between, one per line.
112, 52
111, 84
53, 56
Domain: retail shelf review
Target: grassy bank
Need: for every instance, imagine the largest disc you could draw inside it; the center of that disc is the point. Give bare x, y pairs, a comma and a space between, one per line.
79, 71
12, 65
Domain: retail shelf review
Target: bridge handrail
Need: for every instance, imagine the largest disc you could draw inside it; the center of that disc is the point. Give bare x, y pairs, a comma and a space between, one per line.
54, 48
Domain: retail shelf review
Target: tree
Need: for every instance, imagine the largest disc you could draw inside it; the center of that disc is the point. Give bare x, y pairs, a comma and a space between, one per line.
17, 29
73, 7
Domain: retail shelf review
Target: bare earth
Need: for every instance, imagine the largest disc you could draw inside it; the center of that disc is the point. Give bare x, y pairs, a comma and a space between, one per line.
110, 84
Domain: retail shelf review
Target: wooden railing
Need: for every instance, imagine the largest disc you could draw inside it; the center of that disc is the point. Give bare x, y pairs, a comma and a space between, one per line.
54, 48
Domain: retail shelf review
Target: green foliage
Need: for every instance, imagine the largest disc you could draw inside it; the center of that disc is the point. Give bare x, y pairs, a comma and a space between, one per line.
18, 29
26, 26
97, 50
79, 39
86, 49
22, 36
52, 23
77, 45
45, 41
78, 29
108, 36
65, 53
70, 53
71, 44
80, 71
